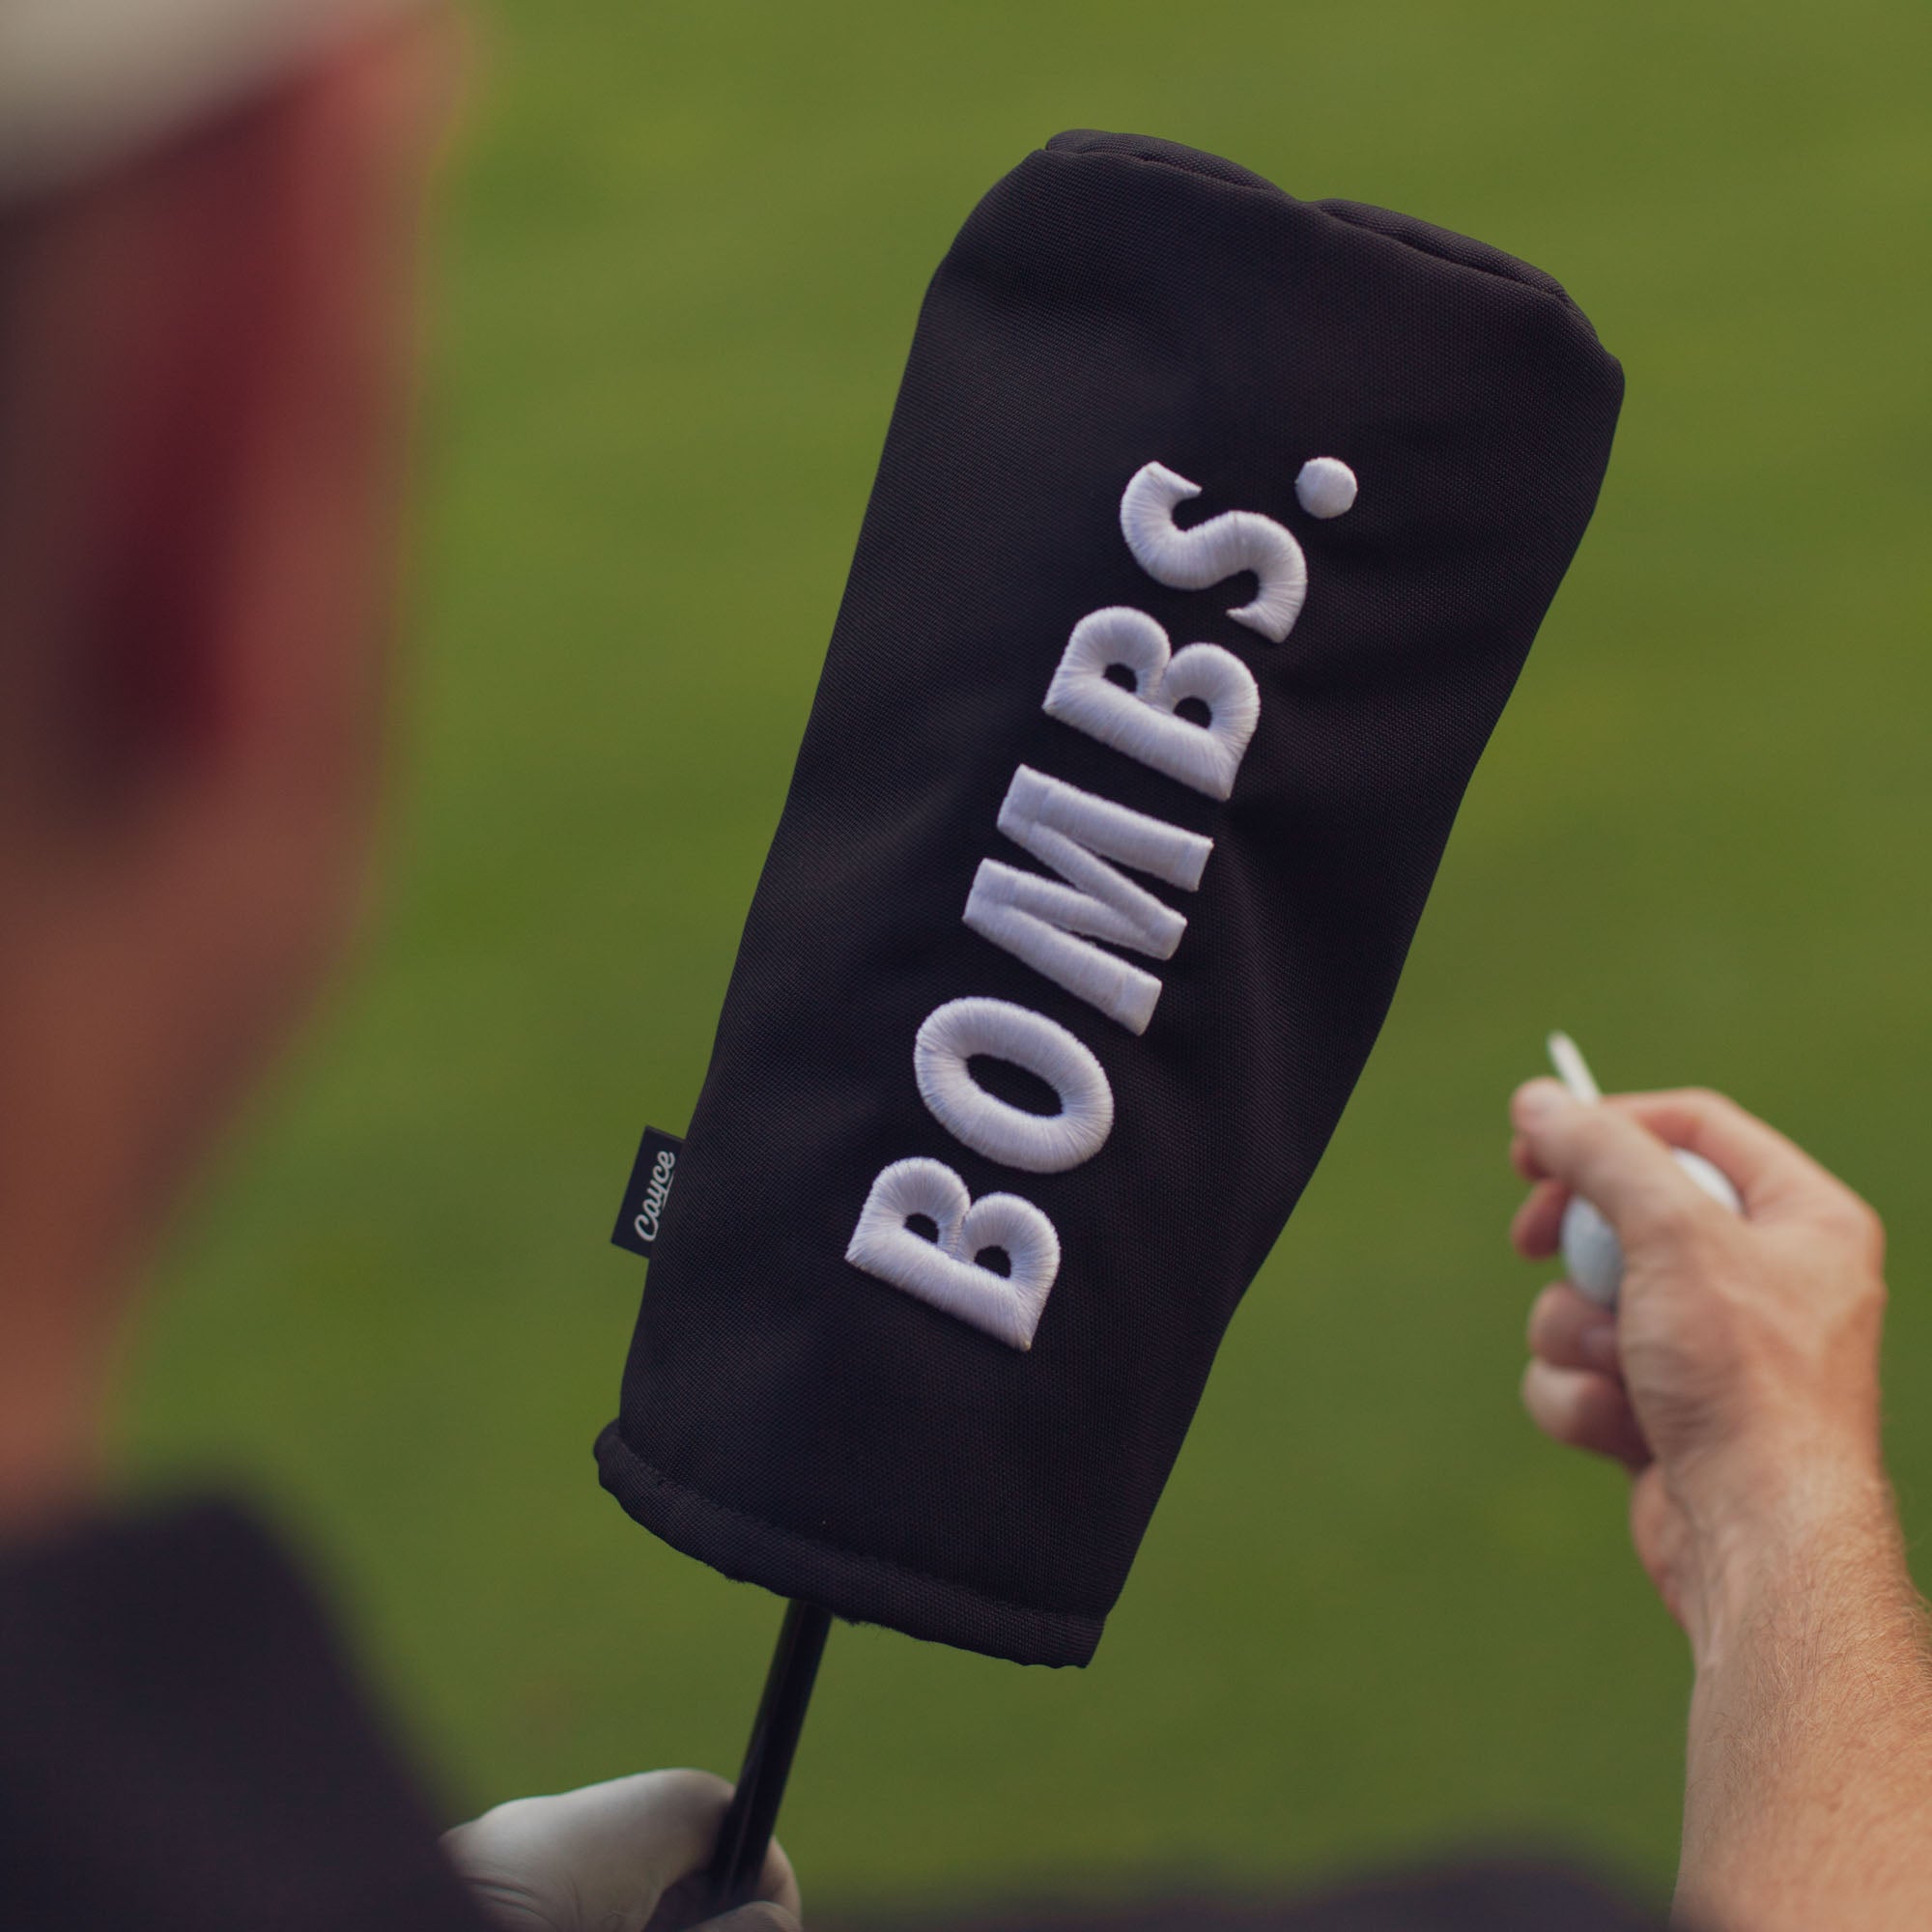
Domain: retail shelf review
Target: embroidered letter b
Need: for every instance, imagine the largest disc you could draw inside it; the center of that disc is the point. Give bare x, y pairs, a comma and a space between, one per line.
946, 1271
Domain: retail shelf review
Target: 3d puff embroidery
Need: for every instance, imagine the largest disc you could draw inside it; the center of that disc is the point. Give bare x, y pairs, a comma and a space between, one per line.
1052, 924
946, 1269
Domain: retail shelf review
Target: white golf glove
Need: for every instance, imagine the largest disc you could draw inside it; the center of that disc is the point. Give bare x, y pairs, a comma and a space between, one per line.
607, 1858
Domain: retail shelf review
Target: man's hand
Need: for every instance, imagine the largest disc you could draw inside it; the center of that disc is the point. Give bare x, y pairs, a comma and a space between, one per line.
1738, 1381
1738, 1378
613, 1857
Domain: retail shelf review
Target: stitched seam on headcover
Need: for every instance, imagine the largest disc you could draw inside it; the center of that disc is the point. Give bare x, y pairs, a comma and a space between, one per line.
1260, 186
1538, 281
1544, 284
883, 1563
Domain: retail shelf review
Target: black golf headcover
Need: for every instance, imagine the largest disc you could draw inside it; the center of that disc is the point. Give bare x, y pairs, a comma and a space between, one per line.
1211, 530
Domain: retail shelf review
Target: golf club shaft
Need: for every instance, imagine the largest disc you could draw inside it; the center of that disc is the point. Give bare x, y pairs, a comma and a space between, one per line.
745, 1834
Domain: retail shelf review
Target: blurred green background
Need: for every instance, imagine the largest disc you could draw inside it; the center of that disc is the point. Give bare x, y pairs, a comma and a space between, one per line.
1376, 1615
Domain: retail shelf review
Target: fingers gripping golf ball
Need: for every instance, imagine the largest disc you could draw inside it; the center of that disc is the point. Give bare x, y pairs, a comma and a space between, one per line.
1590, 1249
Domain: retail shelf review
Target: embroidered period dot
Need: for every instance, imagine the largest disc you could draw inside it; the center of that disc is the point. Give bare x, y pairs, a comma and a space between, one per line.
1325, 487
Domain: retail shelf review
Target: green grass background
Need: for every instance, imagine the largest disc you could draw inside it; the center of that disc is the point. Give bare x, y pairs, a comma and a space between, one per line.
1376, 1614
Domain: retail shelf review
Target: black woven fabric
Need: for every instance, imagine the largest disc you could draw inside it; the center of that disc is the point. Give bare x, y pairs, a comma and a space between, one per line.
182, 1747
1113, 301
1495, 1894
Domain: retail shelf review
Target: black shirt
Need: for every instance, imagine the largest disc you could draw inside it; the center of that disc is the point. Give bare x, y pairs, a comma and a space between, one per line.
184, 1747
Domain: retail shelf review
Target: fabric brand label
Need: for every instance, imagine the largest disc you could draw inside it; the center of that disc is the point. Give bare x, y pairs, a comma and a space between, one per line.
652, 1176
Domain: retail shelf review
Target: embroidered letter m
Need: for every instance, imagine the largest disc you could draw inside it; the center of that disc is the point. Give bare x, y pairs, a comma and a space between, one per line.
1037, 920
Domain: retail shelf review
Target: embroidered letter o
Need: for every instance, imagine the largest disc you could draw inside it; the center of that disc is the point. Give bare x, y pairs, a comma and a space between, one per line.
1037, 1143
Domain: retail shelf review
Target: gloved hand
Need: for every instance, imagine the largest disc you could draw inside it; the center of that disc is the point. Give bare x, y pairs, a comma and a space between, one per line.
613, 1857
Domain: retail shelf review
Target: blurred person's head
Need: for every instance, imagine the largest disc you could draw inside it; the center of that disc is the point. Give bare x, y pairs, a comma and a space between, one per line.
207, 223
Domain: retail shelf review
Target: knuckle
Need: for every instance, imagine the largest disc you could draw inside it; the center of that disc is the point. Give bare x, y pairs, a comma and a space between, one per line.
1535, 1392
1871, 1231
496, 1832
511, 1815
1669, 1220
1542, 1313
1706, 1102
1853, 1219
762, 1917
1711, 1107
1554, 1400
1871, 1292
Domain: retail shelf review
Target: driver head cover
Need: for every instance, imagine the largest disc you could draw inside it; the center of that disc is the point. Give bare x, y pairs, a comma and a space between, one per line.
1211, 533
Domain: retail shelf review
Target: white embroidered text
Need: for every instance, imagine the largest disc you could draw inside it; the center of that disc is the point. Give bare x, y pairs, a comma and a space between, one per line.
1189, 714
655, 1195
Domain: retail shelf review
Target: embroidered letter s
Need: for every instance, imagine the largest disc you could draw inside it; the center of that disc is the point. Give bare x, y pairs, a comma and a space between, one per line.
946, 1273
1196, 558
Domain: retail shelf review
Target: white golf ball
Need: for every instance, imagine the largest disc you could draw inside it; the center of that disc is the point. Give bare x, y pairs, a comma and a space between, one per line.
1590, 1250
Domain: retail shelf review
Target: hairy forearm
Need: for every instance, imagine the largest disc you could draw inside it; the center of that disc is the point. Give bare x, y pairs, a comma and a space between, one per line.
1809, 1794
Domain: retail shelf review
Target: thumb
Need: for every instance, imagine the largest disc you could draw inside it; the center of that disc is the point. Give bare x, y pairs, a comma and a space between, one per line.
608, 1855
1600, 1152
